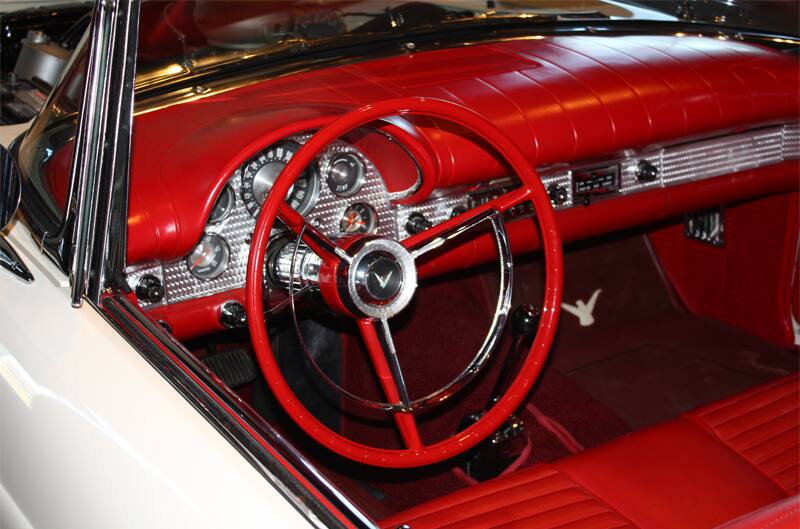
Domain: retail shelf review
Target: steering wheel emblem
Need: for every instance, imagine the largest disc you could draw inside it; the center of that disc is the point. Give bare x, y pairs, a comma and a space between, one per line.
382, 278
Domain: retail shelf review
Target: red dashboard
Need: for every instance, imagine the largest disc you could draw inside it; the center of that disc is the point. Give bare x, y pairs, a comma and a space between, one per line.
564, 100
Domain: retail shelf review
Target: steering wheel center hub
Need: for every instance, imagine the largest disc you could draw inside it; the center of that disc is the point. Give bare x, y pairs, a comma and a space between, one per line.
382, 278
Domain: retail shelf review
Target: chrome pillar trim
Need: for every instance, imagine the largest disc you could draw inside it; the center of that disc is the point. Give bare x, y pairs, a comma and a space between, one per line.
11, 261
102, 150
10, 187
271, 454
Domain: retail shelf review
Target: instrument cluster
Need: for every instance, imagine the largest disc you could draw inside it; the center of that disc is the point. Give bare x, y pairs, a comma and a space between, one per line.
340, 193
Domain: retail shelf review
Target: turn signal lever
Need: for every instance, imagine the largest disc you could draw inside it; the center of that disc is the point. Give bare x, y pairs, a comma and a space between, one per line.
490, 458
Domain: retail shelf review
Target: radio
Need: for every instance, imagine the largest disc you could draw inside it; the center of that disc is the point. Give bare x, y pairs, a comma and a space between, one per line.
594, 181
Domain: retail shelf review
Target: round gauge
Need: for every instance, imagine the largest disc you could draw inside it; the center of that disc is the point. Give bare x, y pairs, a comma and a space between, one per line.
359, 218
209, 258
346, 175
223, 206
260, 174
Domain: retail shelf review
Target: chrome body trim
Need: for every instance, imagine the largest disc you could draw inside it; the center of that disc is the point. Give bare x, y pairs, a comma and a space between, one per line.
99, 218
11, 261
10, 187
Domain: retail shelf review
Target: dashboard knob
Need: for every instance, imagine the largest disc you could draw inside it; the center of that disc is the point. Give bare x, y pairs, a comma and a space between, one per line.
646, 171
150, 289
232, 315
525, 320
558, 194
458, 210
417, 222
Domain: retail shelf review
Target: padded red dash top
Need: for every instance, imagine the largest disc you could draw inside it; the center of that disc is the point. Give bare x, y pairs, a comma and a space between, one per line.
560, 98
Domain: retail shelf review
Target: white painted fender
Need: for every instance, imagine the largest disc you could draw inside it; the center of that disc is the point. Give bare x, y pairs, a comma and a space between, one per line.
92, 437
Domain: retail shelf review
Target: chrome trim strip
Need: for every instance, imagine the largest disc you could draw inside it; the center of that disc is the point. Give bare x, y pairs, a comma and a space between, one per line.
11, 261
102, 150
232, 417
498, 320
677, 163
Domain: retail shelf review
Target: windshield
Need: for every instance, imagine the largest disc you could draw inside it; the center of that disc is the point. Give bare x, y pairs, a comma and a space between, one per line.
179, 36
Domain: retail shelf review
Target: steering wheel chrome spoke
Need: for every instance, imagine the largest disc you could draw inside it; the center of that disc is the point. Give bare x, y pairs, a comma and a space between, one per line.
320, 244
437, 236
380, 345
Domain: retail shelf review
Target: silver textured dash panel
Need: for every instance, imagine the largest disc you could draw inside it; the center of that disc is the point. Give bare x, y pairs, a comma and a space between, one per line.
676, 164
237, 229
706, 159
436, 210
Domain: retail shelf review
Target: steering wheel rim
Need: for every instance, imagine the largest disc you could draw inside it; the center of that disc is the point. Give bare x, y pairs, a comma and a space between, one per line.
532, 189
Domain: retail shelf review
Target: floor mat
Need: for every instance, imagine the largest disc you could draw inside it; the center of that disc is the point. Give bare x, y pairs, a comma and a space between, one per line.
450, 320
643, 356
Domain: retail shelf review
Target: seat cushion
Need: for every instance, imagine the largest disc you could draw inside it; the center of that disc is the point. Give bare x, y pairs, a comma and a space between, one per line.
672, 475
701, 470
538, 497
784, 514
763, 427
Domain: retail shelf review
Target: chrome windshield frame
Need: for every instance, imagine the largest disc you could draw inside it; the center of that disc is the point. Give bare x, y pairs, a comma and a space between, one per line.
101, 163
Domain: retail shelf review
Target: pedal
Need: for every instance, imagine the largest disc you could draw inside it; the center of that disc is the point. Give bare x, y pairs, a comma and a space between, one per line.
490, 458
499, 451
235, 367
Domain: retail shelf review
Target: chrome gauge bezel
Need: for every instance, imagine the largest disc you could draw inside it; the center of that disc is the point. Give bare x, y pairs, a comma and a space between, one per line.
372, 218
219, 244
227, 194
280, 152
353, 187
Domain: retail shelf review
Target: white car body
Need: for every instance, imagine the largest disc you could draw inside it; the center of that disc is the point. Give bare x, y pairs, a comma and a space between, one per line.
92, 437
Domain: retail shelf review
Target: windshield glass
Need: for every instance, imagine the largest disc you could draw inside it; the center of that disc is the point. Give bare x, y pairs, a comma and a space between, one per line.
177, 37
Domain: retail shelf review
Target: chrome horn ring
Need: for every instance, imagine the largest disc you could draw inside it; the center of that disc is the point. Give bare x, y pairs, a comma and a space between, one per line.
399, 302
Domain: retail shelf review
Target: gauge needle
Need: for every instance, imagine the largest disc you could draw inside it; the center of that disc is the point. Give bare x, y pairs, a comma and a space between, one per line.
351, 220
200, 259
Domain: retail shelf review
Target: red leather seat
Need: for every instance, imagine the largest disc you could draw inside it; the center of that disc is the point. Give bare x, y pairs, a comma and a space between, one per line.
706, 468
784, 514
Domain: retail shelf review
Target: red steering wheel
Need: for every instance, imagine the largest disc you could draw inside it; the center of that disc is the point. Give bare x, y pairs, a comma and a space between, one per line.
356, 279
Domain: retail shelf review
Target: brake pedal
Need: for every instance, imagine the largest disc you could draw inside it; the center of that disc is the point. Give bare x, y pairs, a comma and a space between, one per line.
235, 367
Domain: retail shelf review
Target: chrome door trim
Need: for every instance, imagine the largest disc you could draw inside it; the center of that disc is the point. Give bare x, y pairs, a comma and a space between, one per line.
271, 454
11, 261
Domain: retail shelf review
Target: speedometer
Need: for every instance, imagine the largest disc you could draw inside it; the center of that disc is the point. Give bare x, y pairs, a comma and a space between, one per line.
261, 172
